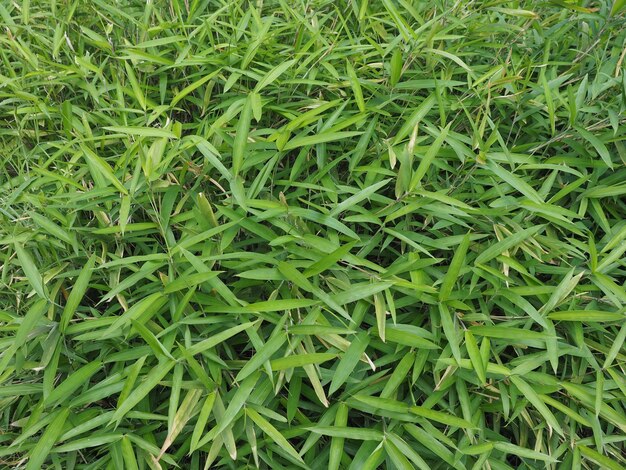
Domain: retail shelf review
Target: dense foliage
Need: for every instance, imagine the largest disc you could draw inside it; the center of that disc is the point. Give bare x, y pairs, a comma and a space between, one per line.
312, 234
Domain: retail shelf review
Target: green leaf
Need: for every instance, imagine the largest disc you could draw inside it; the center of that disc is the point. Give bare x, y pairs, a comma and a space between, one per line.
73, 382
618, 6
504, 332
241, 138
155, 375
78, 292
262, 355
597, 144
309, 140
31, 271
299, 360
454, 269
293, 275
39, 454
428, 158
506, 244
356, 87
234, 407
440, 417
189, 281
273, 433
349, 361
184, 413
102, 168
189, 88
599, 459
527, 391
218, 338
151, 340
203, 417
408, 335
586, 316
130, 460
142, 131
523, 452
475, 356
353, 200
359, 434
450, 330
51, 227
143, 309
273, 74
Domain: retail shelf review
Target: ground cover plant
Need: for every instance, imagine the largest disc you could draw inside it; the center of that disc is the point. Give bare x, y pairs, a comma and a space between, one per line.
312, 234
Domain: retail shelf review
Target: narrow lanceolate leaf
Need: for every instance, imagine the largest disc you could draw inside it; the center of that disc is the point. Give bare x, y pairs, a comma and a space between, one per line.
280, 305
137, 91
517, 183
273, 75
353, 200
474, 354
299, 360
152, 341
50, 227
337, 443
241, 138
396, 456
428, 158
454, 269
103, 168
33, 315
596, 457
183, 415
450, 330
318, 139
381, 315
30, 270
189, 281
523, 452
349, 361
397, 448
509, 333
509, 242
408, 335
356, 87
561, 291
383, 403
528, 393
143, 309
273, 433
128, 454
39, 454
329, 260
396, 67
190, 88
142, 131
88, 442
77, 293
616, 347
234, 407
73, 382
203, 417
262, 355
293, 275
597, 144
587, 316
440, 417
218, 338
360, 434
151, 380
